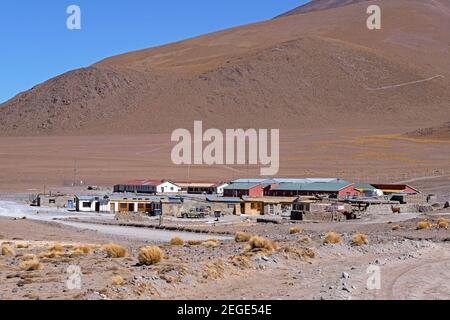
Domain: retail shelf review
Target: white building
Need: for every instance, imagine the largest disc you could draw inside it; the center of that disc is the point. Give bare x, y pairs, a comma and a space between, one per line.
167, 187
220, 187
91, 204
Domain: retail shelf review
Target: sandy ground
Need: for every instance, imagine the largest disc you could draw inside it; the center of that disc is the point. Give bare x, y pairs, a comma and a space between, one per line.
29, 165
413, 264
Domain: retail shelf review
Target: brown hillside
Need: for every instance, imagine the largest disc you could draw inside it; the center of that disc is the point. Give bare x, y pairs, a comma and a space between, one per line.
321, 69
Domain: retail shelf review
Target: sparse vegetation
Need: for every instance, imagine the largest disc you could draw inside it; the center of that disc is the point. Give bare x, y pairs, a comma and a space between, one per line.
443, 223
332, 238
396, 227
177, 241
7, 251
242, 236
295, 230
305, 240
115, 250
260, 243
150, 255
28, 256
195, 242
211, 243
56, 248
359, 239
82, 249
117, 281
31, 265
425, 224
302, 253
22, 245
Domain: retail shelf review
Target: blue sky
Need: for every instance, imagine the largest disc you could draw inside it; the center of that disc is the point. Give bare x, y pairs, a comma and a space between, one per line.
36, 45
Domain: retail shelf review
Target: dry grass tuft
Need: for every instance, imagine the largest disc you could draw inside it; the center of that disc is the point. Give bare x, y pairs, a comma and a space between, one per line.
28, 256
396, 227
332, 238
195, 242
211, 243
359, 239
305, 240
115, 250
82, 249
241, 262
150, 255
50, 255
295, 230
214, 270
260, 243
302, 253
117, 281
423, 225
7, 251
31, 265
443, 223
56, 248
177, 241
242, 236
22, 245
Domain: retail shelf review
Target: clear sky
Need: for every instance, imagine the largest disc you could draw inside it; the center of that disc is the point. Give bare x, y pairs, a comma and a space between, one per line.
36, 44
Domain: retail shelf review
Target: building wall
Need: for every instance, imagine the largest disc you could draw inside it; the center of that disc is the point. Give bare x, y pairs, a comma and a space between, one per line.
168, 187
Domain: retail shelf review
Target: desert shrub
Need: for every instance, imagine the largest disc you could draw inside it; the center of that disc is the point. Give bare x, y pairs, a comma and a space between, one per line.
423, 225
242, 236
28, 256
82, 249
295, 230
177, 241
242, 262
56, 248
359, 239
332, 237
214, 270
396, 227
115, 250
30, 265
261, 243
7, 251
302, 253
117, 281
195, 242
443, 223
211, 243
22, 245
305, 239
150, 255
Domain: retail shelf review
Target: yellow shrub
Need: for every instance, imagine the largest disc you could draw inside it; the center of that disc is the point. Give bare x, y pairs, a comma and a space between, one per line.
115, 250
305, 239
295, 230
117, 281
150, 255
30, 265
443, 223
261, 243
242, 236
423, 225
359, 239
82, 249
333, 238
22, 245
396, 227
177, 241
8, 251
211, 243
29, 256
56, 248
195, 242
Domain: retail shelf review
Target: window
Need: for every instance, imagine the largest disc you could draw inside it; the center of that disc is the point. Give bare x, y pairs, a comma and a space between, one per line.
86, 204
52, 201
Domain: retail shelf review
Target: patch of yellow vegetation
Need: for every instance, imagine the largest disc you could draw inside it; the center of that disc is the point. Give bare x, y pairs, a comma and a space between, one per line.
117, 281
295, 230
115, 250
332, 238
176, 241
422, 225
150, 255
242, 236
359, 239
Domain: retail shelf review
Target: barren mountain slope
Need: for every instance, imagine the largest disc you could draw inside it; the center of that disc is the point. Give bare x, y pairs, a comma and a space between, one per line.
323, 68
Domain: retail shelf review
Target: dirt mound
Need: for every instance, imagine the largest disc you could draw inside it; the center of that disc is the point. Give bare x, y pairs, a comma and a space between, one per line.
441, 132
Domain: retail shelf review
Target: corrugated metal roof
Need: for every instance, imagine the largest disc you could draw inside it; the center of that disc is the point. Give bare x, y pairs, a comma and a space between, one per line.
317, 186
223, 199
241, 186
364, 186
